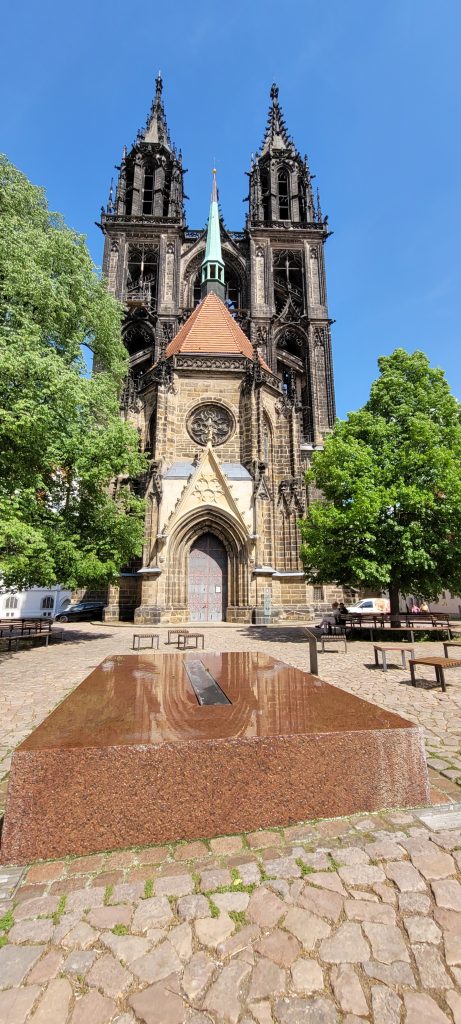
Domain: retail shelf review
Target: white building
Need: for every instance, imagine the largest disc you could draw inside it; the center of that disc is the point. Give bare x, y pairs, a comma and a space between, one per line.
36, 603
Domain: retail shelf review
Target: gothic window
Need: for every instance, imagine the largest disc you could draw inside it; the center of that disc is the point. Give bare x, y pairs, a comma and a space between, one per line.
47, 602
151, 434
129, 188
284, 194
11, 602
301, 200
197, 290
266, 193
291, 343
234, 291
148, 192
288, 281
267, 443
166, 192
142, 276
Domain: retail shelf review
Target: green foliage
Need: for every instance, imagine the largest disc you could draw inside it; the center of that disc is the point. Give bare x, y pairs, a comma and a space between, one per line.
61, 438
306, 869
148, 889
56, 917
390, 475
120, 929
213, 908
108, 891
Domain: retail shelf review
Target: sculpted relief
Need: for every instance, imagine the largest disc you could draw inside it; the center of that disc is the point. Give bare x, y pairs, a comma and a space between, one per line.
210, 422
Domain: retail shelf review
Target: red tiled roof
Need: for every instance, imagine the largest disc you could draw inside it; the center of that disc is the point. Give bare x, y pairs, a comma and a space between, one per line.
211, 328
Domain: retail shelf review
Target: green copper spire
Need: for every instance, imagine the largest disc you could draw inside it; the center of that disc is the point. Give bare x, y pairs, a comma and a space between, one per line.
213, 266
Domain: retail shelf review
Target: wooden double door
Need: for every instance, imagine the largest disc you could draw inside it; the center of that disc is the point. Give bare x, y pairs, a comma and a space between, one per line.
208, 571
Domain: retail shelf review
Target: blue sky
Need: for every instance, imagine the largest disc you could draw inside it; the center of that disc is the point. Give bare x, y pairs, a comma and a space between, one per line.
371, 91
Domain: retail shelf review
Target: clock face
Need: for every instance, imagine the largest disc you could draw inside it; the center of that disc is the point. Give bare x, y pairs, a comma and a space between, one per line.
210, 422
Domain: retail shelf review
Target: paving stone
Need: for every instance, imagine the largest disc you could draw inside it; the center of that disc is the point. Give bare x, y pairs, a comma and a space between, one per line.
447, 894
153, 855
224, 995
347, 945
83, 899
307, 927
239, 941
283, 867
387, 942
214, 879
361, 874
422, 1009
16, 1003
386, 1005
231, 900
82, 936
190, 851
152, 913
181, 940
85, 865
307, 976
108, 917
390, 974
16, 961
95, 1008
449, 920
126, 947
40, 907
127, 892
321, 902
190, 907
262, 839
107, 974
431, 968
414, 903
350, 856
249, 873
79, 961
267, 980
211, 931
434, 863
454, 1001
316, 1010
283, 949
385, 849
197, 976
386, 893
67, 922
348, 990
46, 969
453, 948
174, 885
405, 876
226, 845
327, 880
422, 929
47, 872
282, 888
262, 1012
265, 908
31, 931
54, 1005
363, 910
159, 964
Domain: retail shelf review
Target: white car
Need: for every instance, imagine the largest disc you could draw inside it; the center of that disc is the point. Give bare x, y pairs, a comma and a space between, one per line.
370, 606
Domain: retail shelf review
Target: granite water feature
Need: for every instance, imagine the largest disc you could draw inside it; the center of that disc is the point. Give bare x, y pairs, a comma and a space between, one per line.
151, 748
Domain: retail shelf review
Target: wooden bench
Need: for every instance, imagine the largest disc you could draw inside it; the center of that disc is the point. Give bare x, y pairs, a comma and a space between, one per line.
15, 638
175, 632
333, 638
137, 637
440, 664
184, 638
383, 648
450, 643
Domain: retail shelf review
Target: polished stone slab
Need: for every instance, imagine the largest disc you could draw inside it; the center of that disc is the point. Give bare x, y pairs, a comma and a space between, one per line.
131, 756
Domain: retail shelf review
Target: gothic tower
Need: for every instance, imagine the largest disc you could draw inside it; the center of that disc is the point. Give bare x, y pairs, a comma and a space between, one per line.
230, 380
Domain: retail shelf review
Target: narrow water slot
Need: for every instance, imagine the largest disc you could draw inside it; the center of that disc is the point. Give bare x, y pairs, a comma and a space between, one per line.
206, 689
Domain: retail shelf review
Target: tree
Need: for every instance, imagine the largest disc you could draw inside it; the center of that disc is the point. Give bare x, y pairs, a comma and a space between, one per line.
390, 475
61, 438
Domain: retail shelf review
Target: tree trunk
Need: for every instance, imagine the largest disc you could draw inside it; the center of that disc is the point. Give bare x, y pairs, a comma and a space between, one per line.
395, 604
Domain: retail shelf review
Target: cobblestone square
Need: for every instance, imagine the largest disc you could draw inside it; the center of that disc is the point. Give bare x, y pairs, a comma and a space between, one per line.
341, 920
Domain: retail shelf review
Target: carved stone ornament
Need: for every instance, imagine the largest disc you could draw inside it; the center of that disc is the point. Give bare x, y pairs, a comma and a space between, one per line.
210, 422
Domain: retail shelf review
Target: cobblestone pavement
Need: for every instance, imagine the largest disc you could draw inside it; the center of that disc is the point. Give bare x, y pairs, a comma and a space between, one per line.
345, 920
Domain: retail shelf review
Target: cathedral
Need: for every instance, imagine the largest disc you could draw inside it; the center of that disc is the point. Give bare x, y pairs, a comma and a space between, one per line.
230, 380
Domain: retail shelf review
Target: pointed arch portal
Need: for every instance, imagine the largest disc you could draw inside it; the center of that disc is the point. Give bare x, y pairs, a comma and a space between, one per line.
207, 579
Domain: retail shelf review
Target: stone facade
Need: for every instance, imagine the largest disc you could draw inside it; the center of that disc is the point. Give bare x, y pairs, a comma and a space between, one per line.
268, 401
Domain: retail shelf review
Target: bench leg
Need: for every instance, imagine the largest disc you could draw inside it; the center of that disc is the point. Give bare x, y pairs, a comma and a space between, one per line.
383, 653
376, 656
445, 650
412, 674
442, 678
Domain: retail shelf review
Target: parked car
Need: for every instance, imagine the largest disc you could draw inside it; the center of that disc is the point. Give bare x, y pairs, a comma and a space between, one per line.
370, 605
82, 610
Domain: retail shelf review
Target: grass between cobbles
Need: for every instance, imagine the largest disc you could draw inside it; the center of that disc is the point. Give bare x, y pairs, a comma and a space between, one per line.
6, 924
148, 889
56, 917
120, 929
107, 895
